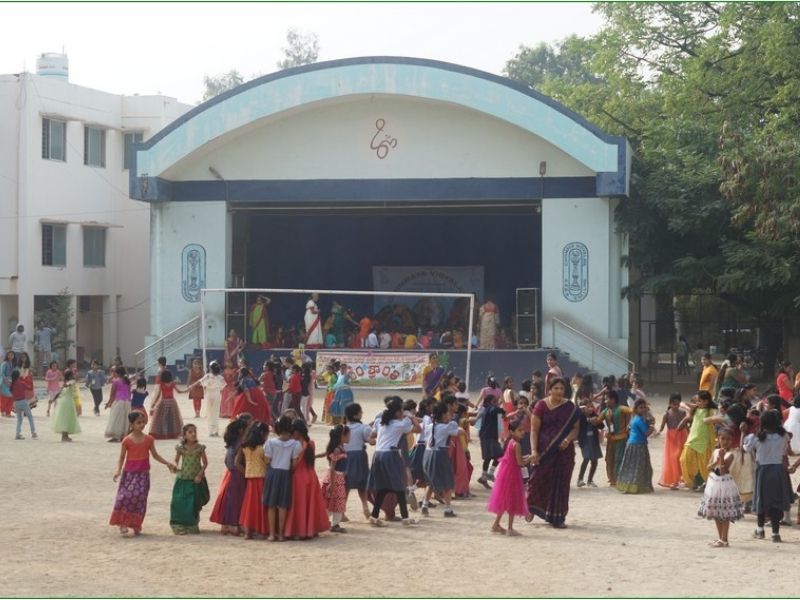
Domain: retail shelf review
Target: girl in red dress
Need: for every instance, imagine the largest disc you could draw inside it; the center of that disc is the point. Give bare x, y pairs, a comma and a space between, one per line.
229, 391
250, 458
334, 481
167, 423
307, 517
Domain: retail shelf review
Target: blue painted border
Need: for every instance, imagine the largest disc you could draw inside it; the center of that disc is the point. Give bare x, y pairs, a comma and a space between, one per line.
373, 190
605, 184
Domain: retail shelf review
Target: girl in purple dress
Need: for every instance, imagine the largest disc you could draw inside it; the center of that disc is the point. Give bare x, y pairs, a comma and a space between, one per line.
228, 504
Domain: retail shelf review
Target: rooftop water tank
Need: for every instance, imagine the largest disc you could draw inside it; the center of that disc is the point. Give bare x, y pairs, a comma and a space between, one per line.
53, 64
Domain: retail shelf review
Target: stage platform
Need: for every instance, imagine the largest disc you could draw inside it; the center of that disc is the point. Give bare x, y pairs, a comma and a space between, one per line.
519, 364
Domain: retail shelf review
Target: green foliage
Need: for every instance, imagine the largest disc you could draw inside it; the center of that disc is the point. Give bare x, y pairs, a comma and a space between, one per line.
217, 84
708, 94
300, 49
59, 315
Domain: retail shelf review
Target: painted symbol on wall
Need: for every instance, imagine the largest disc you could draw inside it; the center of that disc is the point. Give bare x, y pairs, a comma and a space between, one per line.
382, 142
575, 271
193, 272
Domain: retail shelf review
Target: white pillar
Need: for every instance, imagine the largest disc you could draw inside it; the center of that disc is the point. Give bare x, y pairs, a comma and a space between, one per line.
110, 341
72, 332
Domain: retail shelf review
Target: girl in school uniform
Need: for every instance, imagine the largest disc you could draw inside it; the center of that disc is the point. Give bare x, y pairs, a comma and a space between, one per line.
418, 452
282, 454
436, 462
251, 460
307, 517
387, 473
167, 423
357, 472
333, 484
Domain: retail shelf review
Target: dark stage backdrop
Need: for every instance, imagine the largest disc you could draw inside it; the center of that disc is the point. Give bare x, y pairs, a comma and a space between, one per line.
322, 251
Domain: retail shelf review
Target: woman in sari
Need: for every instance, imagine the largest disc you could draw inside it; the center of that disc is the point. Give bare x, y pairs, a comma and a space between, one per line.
554, 429
488, 319
313, 323
259, 321
432, 375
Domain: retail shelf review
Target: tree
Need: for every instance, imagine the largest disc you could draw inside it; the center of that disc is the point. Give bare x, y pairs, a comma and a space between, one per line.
301, 49
707, 94
60, 315
217, 84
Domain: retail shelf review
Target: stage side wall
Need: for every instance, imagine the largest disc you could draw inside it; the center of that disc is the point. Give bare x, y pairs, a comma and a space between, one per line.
173, 227
602, 314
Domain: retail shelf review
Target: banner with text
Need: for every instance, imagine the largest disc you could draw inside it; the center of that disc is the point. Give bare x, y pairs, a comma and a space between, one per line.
378, 370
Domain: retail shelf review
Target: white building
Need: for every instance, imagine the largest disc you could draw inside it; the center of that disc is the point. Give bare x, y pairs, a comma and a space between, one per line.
66, 220
371, 141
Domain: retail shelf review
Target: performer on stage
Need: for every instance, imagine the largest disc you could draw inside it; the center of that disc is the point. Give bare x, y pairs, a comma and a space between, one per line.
259, 321
313, 323
488, 320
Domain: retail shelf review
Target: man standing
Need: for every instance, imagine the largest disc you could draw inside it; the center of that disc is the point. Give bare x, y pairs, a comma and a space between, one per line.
17, 340
43, 344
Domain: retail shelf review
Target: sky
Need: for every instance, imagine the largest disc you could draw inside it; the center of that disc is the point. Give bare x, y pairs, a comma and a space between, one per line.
168, 48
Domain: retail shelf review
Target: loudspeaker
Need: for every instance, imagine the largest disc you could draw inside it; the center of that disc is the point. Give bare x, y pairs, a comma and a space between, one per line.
526, 330
526, 301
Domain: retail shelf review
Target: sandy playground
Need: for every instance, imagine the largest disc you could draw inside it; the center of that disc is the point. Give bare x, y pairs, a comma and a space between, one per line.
56, 540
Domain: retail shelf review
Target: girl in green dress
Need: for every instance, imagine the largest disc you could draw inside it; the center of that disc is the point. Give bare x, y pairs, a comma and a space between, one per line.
190, 492
65, 415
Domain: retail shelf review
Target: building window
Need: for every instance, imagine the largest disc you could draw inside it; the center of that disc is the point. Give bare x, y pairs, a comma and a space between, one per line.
94, 247
94, 147
54, 139
130, 140
54, 245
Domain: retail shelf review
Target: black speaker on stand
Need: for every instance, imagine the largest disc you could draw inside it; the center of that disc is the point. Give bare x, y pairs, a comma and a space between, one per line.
527, 319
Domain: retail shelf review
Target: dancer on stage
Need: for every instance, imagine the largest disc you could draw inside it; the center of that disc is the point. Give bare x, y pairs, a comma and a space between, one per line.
313, 323
488, 320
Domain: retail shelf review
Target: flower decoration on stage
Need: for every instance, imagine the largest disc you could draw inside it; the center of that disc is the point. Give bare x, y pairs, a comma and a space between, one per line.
575, 271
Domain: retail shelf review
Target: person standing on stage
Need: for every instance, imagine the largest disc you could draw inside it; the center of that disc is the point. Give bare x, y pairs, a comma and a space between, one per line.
313, 323
488, 319
259, 321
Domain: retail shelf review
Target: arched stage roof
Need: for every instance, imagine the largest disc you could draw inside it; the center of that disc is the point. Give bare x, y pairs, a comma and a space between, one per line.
608, 156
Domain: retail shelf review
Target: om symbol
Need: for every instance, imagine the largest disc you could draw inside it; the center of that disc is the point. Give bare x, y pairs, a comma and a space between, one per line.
383, 146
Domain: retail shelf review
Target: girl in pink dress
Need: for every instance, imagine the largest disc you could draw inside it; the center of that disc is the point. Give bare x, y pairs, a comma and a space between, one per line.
508, 493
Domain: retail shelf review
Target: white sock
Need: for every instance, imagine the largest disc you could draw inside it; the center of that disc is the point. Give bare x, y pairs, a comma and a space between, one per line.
336, 518
491, 470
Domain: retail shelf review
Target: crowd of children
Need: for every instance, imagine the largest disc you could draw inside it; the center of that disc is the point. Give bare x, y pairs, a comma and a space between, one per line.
725, 442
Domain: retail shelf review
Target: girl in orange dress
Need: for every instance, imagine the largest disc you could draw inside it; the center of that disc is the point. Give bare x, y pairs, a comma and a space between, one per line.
196, 392
307, 517
229, 391
673, 443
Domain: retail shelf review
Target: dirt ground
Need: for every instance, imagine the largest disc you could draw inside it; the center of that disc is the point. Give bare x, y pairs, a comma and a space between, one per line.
56, 540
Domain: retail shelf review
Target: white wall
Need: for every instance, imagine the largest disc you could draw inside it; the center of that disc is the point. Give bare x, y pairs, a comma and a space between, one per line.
602, 315
77, 194
174, 226
332, 140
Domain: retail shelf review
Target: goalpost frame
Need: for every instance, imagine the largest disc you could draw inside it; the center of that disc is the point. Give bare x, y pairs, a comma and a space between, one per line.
471, 297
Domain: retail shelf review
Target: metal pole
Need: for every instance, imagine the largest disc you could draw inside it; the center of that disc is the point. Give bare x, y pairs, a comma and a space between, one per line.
203, 327
469, 337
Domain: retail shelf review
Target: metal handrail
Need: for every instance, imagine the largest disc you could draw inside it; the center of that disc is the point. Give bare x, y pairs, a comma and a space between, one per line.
161, 340
594, 342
